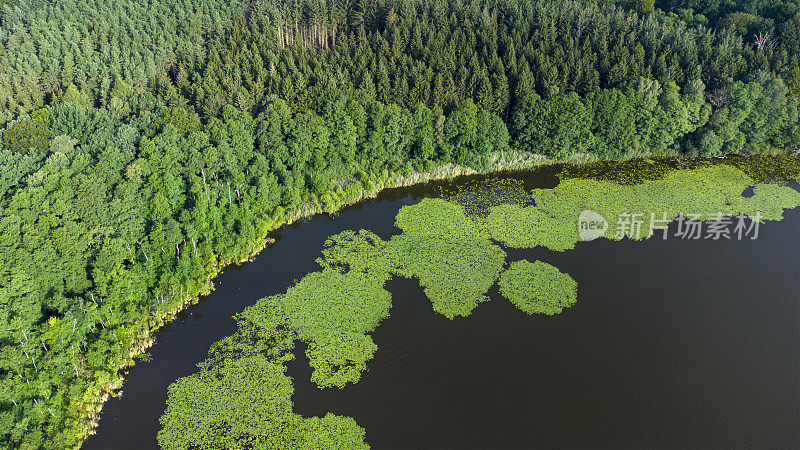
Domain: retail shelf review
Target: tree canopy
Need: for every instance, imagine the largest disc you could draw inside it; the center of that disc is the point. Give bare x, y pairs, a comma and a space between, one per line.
146, 145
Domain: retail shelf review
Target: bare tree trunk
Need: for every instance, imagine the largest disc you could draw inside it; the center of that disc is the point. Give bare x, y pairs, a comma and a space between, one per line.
763, 41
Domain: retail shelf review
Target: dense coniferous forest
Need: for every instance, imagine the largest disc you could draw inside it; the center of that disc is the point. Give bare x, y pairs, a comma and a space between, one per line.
145, 146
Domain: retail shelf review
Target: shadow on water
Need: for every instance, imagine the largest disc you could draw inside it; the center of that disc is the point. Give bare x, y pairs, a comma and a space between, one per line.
671, 344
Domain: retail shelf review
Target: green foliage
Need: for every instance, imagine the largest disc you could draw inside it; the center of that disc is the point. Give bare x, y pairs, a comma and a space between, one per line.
628, 172
246, 403
779, 18
182, 119
76, 97
27, 135
447, 251
164, 143
765, 168
538, 288
493, 53
559, 126
333, 311
337, 359
528, 227
76, 50
643, 119
360, 252
643, 6
753, 120
349, 303
614, 123
451, 254
707, 191
479, 197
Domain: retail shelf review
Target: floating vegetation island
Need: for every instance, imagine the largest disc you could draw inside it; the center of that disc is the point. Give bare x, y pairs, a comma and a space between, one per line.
538, 287
454, 246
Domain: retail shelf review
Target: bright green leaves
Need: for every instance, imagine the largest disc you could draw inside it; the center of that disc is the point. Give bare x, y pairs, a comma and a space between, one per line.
768, 200
331, 301
358, 251
328, 432
559, 126
751, 121
246, 403
538, 288
707, 191
238, 404
454, 271
437, 218
449, 253
332, 311
339, 358
528, 227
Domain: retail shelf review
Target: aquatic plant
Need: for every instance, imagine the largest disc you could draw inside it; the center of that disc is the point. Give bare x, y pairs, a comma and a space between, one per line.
630, 172
450, 254
242, 397
528, 227
332, 311
538, 287
358, 251
246, 403
761, 168
478, 197
435, 217
706, 191
339, 358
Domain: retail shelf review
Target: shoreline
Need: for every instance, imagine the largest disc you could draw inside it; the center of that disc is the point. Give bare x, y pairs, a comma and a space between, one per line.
144, 340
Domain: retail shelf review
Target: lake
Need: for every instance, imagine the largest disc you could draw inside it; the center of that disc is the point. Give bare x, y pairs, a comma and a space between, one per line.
672, 343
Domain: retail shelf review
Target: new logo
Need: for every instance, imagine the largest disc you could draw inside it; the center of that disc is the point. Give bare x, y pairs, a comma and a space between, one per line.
591, 225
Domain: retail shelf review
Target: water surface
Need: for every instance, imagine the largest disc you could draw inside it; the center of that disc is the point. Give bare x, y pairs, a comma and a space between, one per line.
671, 344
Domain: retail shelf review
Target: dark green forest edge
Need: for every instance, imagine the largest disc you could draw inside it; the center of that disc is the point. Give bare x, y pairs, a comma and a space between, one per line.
241, 397
147, 145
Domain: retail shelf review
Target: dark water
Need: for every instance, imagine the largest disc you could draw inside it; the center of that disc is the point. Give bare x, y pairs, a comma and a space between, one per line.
671, 344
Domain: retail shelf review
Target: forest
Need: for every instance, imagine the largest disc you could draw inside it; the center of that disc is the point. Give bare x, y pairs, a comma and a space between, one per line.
143, 147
